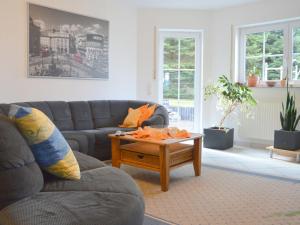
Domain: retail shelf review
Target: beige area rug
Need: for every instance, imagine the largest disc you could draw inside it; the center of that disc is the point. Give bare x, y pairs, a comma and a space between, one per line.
220, 197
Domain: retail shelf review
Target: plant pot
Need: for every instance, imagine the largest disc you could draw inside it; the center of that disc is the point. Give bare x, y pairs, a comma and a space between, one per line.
252, 80
288, 140
282, 83
216, 138
271, 83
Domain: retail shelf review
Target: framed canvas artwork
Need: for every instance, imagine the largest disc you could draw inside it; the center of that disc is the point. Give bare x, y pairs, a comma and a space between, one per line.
66, 45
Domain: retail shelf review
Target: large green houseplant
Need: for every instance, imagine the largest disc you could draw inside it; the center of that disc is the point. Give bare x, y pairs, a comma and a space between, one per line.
230, 97
288, 137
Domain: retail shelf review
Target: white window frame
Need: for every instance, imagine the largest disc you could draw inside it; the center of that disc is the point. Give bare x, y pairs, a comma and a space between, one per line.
292, 25
163, 33
287, 27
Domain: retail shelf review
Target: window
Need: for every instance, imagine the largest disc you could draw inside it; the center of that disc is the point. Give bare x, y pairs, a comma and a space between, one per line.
271, 52
179, 70
296, 54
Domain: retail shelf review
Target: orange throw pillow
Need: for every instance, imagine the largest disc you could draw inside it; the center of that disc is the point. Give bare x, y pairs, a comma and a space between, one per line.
133, 117
146, 114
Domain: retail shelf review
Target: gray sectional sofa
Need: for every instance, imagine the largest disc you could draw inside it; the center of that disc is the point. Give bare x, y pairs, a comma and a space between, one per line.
86, 124
103, 196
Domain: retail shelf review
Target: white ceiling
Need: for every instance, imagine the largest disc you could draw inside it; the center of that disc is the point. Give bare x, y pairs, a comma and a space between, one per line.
191, 4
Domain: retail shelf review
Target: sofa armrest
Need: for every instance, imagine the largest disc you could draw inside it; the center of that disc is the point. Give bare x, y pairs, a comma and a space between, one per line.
160, 118
154, 121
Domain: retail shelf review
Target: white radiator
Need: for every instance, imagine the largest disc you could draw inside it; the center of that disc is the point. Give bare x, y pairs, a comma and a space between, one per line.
266, 120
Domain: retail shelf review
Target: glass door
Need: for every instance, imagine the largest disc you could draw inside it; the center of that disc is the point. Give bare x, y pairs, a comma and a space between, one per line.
180, 83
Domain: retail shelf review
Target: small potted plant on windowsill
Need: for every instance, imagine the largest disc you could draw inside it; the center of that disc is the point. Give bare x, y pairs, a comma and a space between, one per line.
253, 77
230, 97
283, 82
288, 137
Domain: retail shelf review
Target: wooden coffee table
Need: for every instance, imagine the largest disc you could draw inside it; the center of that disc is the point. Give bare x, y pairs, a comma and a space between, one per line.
160, 156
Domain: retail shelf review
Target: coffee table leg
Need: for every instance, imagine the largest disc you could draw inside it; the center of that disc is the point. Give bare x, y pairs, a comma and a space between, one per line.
164, 167
197, 156
116, 153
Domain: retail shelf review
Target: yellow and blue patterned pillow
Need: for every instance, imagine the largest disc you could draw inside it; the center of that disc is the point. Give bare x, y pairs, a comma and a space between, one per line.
49, 147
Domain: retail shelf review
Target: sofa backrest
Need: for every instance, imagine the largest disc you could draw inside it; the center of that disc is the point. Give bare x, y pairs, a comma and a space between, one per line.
2, 111
20, 176
101, 113
87, 115
81, 115
62, 116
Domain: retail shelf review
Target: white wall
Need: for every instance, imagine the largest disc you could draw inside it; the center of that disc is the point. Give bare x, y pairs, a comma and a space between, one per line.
14, 84
217, 27
148, 19
260, 12
131, 33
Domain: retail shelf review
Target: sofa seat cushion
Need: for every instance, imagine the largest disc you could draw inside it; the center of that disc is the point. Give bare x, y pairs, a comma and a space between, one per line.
76, 208
102, 142
105, 179
87, 162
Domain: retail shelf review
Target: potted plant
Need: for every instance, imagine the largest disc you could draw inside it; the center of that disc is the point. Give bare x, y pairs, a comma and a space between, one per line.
288, 137
253, 77
230, 97
283, 82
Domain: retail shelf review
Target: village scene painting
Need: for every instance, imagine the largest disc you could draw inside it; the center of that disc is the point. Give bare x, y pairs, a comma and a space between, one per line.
67, 45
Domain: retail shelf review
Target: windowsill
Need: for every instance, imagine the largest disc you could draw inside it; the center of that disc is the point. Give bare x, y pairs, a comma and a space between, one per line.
276, 86
298, 86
